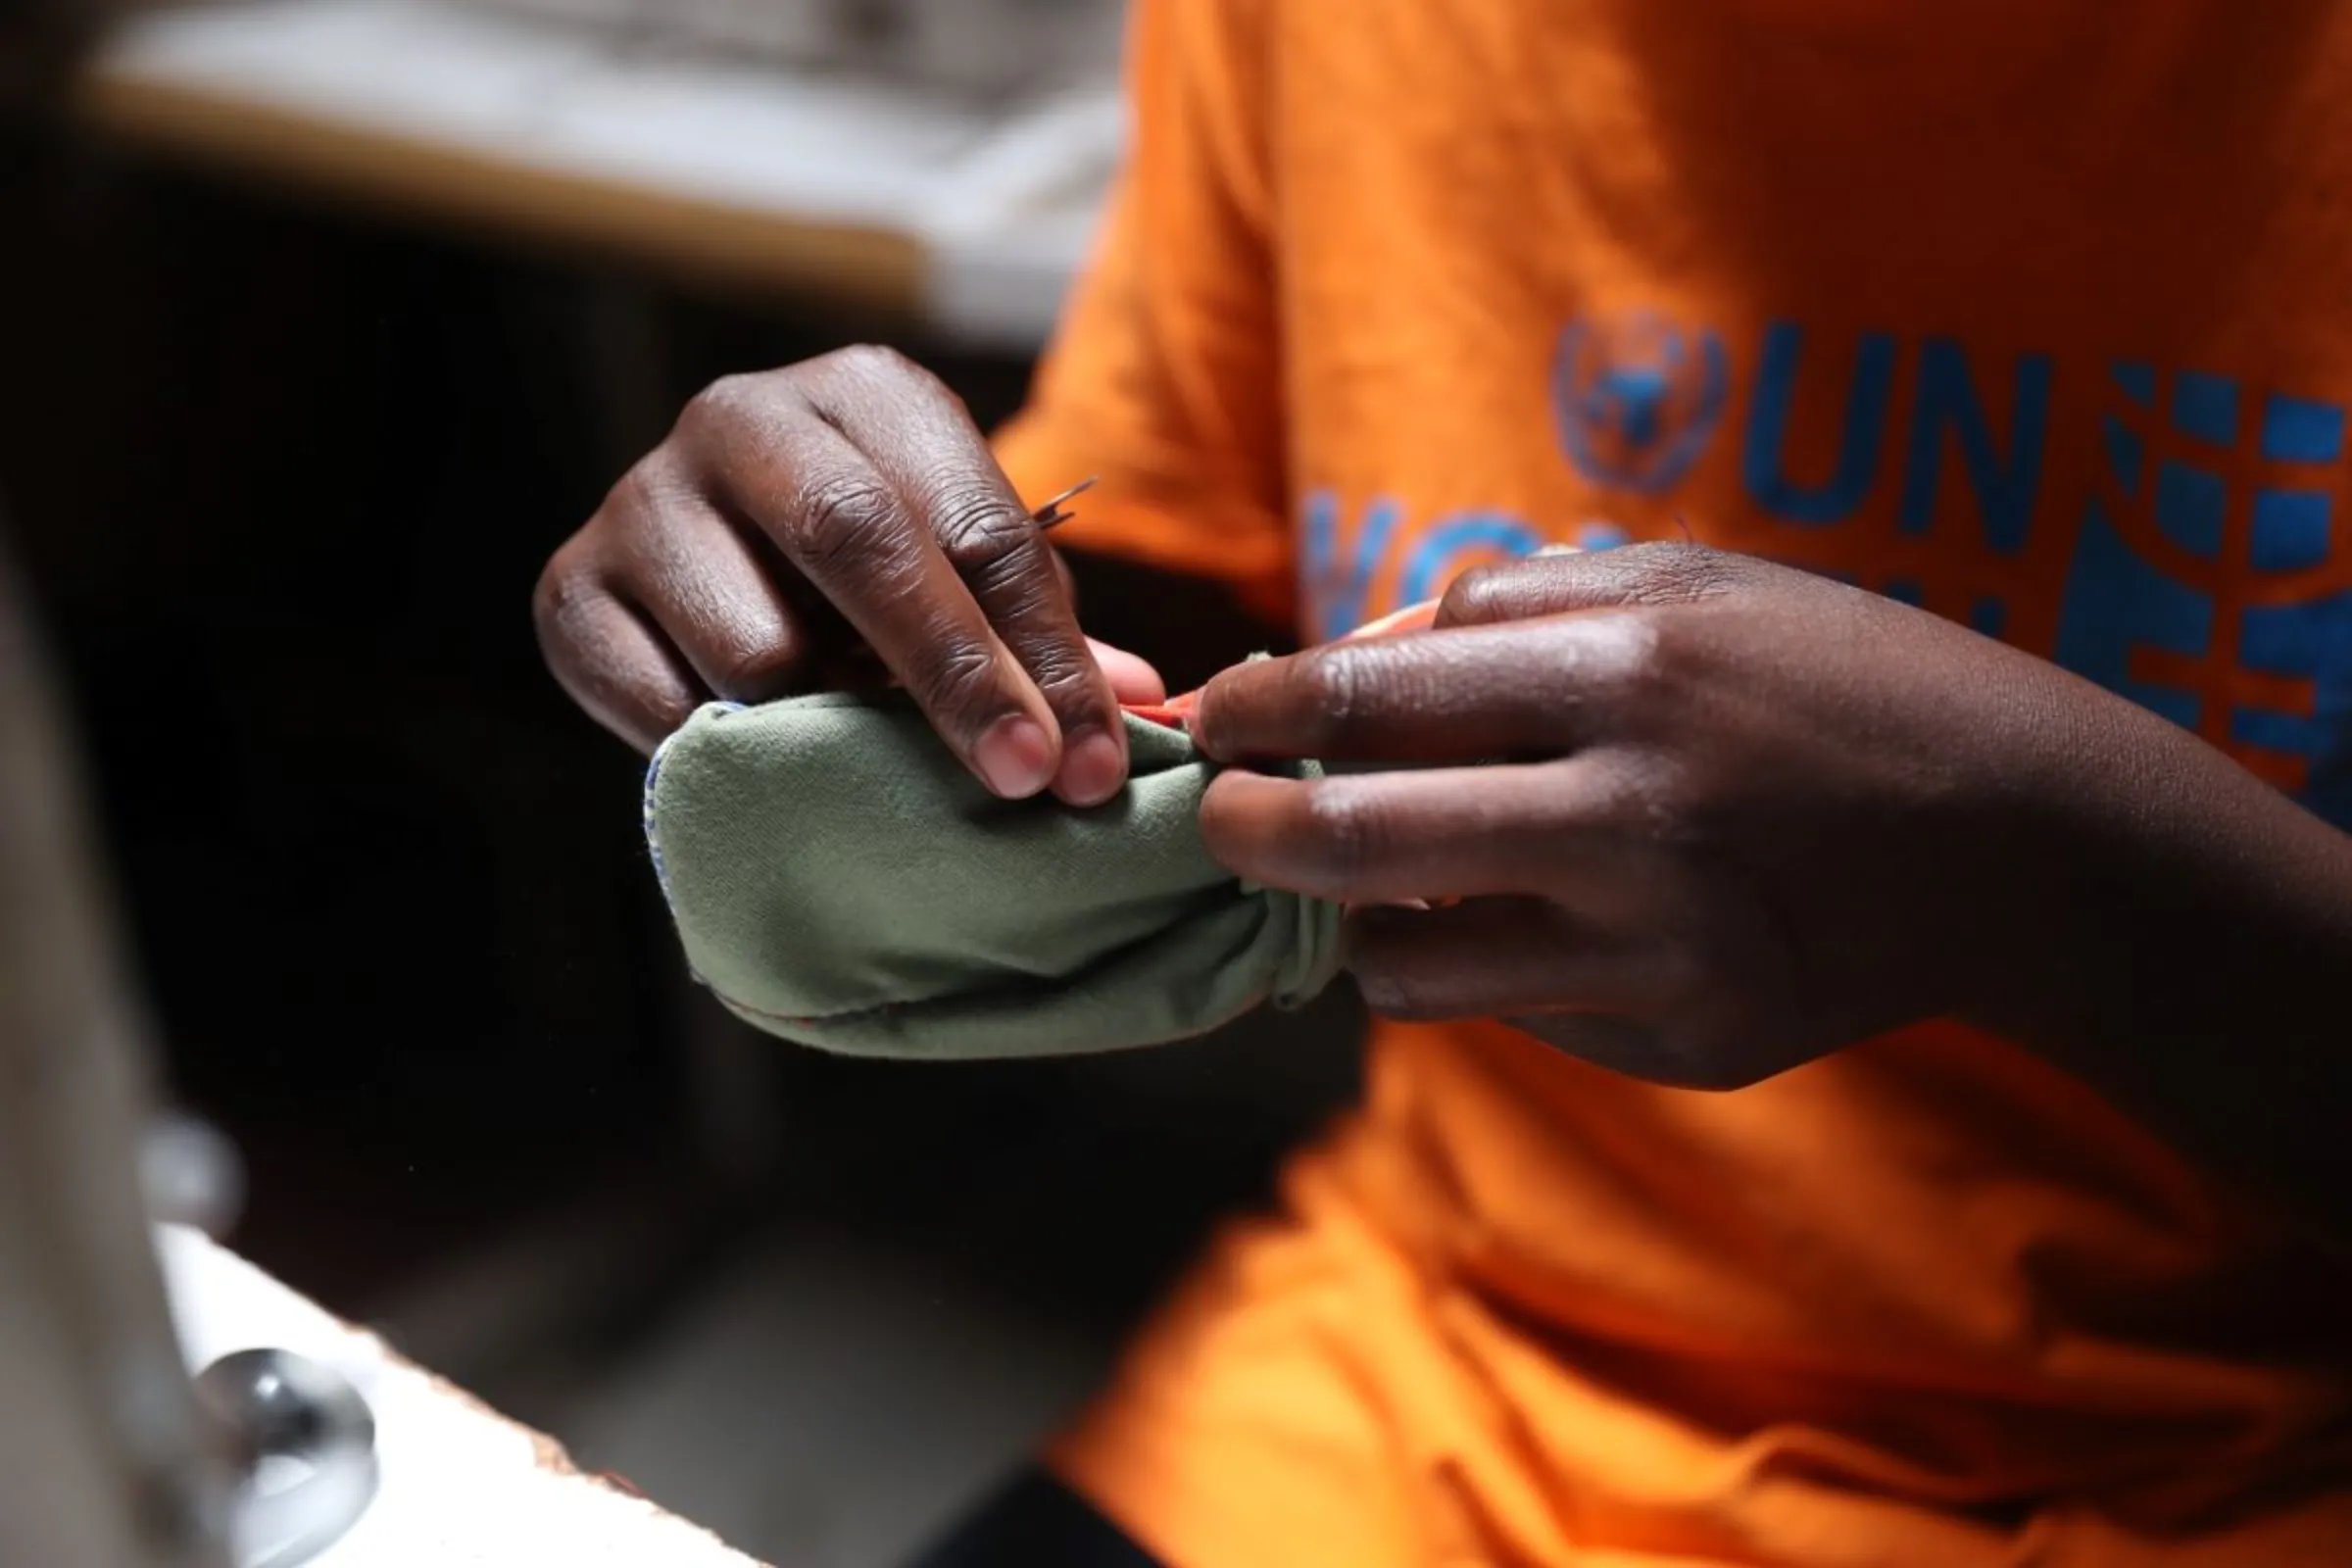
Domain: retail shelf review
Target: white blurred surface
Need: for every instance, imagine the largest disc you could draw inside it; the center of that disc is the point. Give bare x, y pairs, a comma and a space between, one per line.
461, 1486
973, 46
999, 197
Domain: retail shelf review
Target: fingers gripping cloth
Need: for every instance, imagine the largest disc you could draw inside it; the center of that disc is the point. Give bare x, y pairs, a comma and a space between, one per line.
839, 879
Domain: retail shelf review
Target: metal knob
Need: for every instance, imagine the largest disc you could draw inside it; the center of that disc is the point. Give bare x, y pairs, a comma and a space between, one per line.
287, 1410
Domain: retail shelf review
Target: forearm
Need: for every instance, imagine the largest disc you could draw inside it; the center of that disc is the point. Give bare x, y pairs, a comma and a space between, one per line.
2193, 957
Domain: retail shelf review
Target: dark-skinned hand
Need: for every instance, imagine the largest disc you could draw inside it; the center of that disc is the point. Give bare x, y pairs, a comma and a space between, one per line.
1687, 814
800, 525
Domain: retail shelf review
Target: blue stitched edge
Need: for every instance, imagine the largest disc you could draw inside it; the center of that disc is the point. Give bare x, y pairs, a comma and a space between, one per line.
652, 840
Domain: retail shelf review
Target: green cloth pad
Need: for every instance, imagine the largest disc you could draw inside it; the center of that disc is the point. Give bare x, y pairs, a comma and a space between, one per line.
839, 879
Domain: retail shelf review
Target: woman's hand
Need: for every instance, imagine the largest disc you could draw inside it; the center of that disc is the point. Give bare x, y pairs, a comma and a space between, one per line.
795, 518
1705, 818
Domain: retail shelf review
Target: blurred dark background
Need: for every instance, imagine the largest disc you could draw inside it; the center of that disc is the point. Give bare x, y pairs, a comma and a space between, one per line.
282, 466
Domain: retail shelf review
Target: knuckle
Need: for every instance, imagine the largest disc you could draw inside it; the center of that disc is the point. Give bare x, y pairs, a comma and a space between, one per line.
743, 412
981, 532
628, 497
1675, 659
1345, 832
726, 404
1649, 654
749, 672
869, 359
1621, 659
1330, 685
1664, 807
567, 585
956, 678
1482, 594
637, 498
874, 364
841, 527
1069, 679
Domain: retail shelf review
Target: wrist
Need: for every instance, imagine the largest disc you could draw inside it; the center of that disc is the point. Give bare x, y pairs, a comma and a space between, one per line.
2071, 824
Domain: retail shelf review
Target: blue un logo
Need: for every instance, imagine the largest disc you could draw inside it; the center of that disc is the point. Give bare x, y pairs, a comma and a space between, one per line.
1636, 397
2209, 582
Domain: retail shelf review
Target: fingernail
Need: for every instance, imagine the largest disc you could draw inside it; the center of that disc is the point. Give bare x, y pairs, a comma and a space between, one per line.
1092, 767
1015, 756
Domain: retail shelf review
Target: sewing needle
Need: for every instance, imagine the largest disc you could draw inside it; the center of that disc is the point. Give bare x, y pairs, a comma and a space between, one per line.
1051, 514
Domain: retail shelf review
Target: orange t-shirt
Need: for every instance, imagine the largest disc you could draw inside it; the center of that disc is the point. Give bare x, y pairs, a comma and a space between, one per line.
2037, 315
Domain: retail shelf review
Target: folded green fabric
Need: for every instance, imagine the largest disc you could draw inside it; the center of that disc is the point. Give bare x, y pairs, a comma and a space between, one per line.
839, 879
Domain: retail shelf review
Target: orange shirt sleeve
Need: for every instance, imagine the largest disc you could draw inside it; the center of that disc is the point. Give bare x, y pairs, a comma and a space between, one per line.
1163, 377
